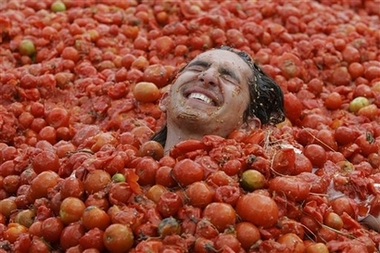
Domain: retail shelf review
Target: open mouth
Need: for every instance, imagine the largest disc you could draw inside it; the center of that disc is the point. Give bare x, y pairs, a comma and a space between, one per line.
202, 97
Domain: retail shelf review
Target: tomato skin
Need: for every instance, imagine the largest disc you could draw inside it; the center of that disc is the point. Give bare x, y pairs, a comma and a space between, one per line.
169, 204
343, 204
228, 194
291, 186
264, 213
152, 245
284, 161
206, 229
119, 193
71, 235
93, 238
38, 245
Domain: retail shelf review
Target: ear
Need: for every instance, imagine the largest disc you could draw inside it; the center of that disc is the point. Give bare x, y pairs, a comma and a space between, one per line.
164, 101
252, 123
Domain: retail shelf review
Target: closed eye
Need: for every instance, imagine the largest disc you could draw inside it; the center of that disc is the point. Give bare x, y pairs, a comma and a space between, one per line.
229, 75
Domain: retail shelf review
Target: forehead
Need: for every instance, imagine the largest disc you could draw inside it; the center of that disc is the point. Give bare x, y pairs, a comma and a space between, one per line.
226, 59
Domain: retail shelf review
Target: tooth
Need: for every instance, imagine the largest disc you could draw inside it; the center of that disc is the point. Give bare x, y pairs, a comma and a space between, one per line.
201, 97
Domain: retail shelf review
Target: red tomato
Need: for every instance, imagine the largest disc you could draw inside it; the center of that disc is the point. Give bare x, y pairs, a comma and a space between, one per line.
292, 187
146, 170
154, 193
71, 235
51, 229
13, 231
343, 204
44, 161
93, 238
118, 238
264, 213
228, 194
247, 234
96, 180
38, 245
169, 204
293, 107
284, 160
94, 217
317, 248
292, 242
71, 210
199, 194
227, 241
186, 172
164, 177
42, 183
8, 206
316, 154
72, 187
119, 193
152, 149
203, 245
221, 215
146, 92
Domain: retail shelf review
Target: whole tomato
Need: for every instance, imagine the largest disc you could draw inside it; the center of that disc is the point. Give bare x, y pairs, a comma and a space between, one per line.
94, 217
51, 229
186, 172
118, 238
221, 215
264, 213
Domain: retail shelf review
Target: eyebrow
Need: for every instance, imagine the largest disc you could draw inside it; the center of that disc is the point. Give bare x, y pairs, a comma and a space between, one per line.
199, 63
222, 70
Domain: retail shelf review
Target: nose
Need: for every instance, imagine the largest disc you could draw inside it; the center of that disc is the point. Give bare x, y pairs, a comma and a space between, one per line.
209, 76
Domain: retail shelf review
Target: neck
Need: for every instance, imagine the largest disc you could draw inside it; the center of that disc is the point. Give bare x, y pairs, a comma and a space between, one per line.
176, 135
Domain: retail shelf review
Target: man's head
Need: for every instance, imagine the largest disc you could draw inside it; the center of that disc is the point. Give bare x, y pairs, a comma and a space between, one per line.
217, 92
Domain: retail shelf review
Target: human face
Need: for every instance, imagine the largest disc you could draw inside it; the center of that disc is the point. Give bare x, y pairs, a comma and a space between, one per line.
210, 94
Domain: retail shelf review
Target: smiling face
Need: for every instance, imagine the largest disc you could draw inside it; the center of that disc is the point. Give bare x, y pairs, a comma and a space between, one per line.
209, 95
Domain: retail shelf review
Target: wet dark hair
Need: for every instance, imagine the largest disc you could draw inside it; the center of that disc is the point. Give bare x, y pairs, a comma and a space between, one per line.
266, 97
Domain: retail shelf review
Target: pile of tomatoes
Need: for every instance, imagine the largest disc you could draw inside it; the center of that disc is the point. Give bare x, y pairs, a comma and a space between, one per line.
79, 88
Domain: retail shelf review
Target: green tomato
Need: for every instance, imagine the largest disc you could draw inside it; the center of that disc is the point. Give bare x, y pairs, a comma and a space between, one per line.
27, 47
58, 6
357, 103
118, 177
252, 180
